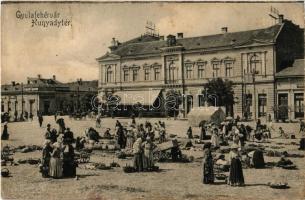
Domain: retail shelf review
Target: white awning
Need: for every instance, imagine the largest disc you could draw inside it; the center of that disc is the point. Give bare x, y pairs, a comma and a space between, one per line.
144, 97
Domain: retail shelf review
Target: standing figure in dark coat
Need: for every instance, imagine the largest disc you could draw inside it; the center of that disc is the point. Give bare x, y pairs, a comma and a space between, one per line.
202, 130
68, 136
207, 165
61, 124
48, 133
40, 119
121, 137
5, 134
69, 166
189, 133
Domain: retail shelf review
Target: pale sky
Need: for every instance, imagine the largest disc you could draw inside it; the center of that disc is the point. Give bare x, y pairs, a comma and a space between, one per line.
70, 52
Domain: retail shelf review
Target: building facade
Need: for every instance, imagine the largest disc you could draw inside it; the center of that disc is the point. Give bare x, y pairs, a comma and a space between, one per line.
290, 91
249, 59
45, 96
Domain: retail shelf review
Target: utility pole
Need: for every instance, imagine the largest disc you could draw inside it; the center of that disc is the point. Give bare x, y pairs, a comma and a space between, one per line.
254, 92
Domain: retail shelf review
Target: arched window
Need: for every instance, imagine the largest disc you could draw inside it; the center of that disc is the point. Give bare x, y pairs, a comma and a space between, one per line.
255, 63
108, 74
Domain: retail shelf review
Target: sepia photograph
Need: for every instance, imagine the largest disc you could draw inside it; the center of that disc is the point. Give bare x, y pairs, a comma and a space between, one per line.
105, 100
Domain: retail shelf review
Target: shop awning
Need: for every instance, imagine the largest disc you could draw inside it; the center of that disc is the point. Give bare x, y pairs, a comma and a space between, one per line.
144, 97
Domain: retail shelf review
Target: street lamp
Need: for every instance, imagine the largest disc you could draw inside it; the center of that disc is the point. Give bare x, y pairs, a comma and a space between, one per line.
253, 73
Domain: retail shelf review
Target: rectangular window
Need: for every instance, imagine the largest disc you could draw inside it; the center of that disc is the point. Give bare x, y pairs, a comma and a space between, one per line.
126, 75
146, 74
201, 71
157, 73
189, 71
215, 70
299, 105
134, 75
262, 103
229, 69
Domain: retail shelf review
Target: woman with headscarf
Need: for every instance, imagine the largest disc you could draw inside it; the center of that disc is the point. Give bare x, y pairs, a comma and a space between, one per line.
56, 165
130, 138
215, 138
207, 165
46, 157
236, 177
137, 151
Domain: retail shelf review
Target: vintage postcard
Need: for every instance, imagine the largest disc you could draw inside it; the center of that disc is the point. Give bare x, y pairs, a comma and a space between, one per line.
152, 100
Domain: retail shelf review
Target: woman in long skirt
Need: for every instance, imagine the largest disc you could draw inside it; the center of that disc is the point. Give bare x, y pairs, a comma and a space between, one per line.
56, 164
148, 162
236, 177
208, 171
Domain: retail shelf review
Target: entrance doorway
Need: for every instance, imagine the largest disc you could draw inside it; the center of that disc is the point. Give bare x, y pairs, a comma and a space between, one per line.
283, 106
46, 106
299, 105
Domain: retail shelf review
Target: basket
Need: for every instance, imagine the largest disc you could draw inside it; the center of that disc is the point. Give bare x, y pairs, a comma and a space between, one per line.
5, 172
279, 186
289, 166
128, 169
221, 176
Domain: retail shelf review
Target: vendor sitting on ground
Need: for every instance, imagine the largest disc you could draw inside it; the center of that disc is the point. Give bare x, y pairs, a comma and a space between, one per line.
282, 133
92, 134
284, 161
107, 133
222, 163
256, 159
176, 153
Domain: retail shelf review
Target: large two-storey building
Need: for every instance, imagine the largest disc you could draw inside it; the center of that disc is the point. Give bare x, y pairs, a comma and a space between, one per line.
145, 68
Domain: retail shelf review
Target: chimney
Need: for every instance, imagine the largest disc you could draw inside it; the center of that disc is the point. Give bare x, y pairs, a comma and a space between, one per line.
39, 76
54, 77
179, 35
224, 30
161, 37
13, 83
281, 19
114, 45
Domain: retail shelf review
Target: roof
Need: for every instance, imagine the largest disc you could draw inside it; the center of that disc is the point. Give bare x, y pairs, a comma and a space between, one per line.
297, 69
135, 47
82, 85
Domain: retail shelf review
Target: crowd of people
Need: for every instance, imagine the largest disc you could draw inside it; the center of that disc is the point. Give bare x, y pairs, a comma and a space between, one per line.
141, 139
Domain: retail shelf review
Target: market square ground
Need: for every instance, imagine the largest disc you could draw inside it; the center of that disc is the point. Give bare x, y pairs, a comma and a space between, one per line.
174, 181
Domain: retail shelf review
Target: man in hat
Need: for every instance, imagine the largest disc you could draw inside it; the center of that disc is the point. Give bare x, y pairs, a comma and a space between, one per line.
48, 134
